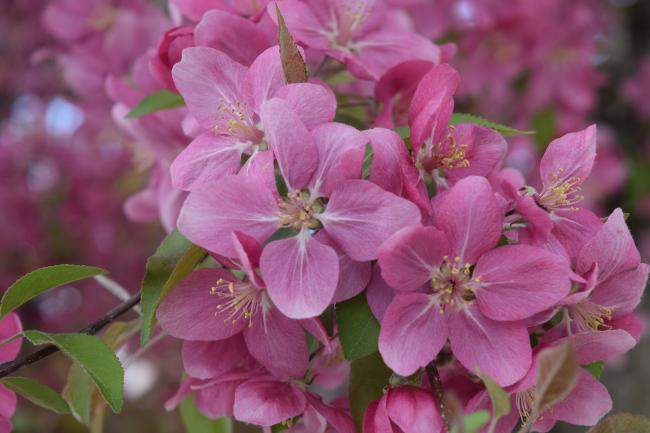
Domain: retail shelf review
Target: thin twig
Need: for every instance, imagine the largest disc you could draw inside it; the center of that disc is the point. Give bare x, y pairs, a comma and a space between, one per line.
438, 394
10, 367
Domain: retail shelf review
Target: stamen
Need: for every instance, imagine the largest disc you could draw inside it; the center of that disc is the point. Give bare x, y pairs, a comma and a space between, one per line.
589, 316
524, 402
561, 193
243, 300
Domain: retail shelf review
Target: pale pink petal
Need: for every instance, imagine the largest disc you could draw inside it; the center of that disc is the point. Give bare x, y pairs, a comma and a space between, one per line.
267, 402
389, 153
209, 359
206, 160
413, 410
360, 216
569, 158
471, 217
314, 103
210, 216
587, 403
264, 78
194, 9
278, 343
499, 349
260, 166
210, 82
412, 333
189, 311
517, 281
595, 346
622, 292
409, 256
301, 275
302, 23
379, 294
291, 142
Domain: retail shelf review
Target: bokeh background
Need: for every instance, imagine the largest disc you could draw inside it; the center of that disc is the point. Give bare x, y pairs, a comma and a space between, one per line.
72, 173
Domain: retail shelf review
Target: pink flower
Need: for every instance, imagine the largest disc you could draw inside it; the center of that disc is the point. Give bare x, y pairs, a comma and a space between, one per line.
459, 287
365, 35
406, 408
321, 170
169, 52
9, 326
226, 98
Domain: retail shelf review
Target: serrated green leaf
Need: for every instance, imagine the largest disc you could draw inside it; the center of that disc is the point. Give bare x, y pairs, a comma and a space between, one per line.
595, 368
474, 421
174, 259
622, 423
42, 280
158, 101
94, 357
504, 130
499, 398
368, 378
358, 327
37, 393
195, 422
293, 65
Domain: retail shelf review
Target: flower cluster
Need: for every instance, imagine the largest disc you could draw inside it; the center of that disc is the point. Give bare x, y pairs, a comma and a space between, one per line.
463, 262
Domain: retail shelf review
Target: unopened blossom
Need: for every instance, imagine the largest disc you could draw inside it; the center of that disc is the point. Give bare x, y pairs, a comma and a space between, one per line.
457, 285
409, 408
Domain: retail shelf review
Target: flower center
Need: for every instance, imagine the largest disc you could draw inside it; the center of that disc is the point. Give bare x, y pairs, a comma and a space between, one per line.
524, 401
242, 300
238, 122
446, 153
299, 210
589, 316
561, 193
453, 283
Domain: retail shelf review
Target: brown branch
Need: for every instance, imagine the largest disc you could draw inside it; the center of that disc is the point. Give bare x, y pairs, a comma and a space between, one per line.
12, 366
438, 394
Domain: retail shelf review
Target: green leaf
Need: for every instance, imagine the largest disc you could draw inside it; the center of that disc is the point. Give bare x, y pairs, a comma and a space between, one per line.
499, 398
358, 328
94, 357
368, 378
278, 428
78, 392
403, 131
595, 368
195, 422
367, 161
158, 101
37, 393
504, 130
622, 423
42, 280
474, 421
295, 69
545, 125
174, 259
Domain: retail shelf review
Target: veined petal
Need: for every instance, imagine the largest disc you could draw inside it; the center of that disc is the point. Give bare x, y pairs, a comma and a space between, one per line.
210, 359
264, 78
314, 103
267, 402
570, 157
413, 410
587, 403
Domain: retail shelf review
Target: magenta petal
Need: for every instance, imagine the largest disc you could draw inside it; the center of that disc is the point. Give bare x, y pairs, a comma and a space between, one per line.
379, 294
499, 349
302, 23
278, 343
360, 216
224, 31
8, 402
412, 333
267, 402
249, 252
408, 258
622, 292
10, 326
612, 248
587, 403
485, 150
470, 216
217, 400
290, 141
518, 281
209, 359
337, 418
218, 86
340, 156
314, 103
570, 157
206, 160
574, 228
238, 203
389, 153
189, 311
413, 410
595, 346
301, 275
317, 330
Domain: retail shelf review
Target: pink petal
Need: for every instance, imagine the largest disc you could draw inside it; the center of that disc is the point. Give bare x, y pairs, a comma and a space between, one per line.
612, 248
471, 217
302, 23
291, 142
301, 275
569, 157
264, 78
588, 402
379, 294
574, 228
413, 410
337, 418
217, 400
10, 326
409, 256
389, 153
414, 187
209, 80
249, 252
189, 311
337, 145
209, 359
360, 216
260, 166
499, 349
622, 292
224, 31
317, 330
210, 216
314, 103
267, 402
8, 402
206, 160
633, 324
278, 343
595, 346
412, 333
485, 150
518, 281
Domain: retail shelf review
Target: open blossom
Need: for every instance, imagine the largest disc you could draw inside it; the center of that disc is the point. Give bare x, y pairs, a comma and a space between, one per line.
458, 286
